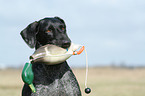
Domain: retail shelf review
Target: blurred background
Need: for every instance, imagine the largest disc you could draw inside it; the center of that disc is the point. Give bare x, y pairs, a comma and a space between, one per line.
113, 32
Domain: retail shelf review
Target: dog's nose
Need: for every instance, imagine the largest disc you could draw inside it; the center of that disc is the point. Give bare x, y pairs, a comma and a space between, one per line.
66, 44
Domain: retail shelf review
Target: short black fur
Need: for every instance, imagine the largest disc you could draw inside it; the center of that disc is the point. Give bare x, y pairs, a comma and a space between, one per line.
50, 80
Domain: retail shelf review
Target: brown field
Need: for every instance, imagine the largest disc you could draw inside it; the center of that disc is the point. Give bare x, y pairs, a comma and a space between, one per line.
103, 81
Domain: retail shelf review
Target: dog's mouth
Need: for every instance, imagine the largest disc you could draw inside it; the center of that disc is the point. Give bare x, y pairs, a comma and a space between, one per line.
65, 46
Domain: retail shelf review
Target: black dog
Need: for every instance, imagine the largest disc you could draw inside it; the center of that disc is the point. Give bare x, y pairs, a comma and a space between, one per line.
50, 80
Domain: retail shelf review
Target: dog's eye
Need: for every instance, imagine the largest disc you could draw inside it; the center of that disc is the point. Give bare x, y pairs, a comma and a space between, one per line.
61, 27
48, 30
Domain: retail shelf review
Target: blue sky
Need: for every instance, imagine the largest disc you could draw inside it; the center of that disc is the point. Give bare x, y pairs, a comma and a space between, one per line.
112, 30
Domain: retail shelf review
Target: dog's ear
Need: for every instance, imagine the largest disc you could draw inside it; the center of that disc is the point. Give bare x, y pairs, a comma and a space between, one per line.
29, 34
60, 19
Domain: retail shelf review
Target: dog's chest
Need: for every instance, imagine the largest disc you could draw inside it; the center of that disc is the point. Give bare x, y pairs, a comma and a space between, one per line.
55, 80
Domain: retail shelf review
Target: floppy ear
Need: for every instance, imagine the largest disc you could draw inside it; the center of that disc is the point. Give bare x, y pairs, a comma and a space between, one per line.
29, 34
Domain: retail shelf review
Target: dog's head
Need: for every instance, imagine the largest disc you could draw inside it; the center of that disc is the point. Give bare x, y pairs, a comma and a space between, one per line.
46, 31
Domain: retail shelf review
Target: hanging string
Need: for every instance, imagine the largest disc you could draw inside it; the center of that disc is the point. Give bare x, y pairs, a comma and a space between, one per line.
87, 90
86, 69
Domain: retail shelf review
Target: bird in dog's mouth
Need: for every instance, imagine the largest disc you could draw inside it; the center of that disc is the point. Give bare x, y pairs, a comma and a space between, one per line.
52, 54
